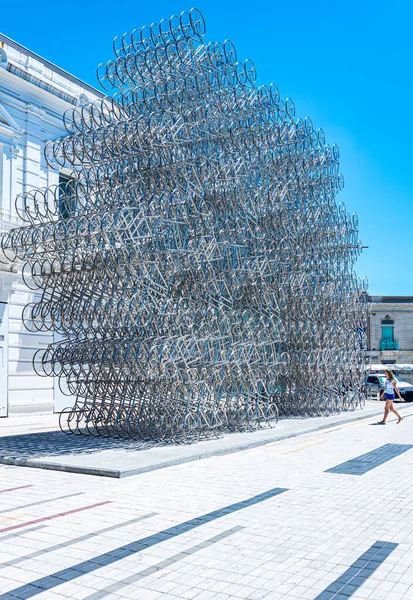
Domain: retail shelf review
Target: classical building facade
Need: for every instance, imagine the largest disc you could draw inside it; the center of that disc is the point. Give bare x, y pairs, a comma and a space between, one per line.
390, 329
34, 95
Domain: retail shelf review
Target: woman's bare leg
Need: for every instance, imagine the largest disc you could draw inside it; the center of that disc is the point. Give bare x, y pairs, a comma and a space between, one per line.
386, 411
395, 412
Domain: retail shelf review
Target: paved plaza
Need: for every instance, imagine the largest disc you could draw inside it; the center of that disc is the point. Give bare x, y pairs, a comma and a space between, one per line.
38, 442
321, 516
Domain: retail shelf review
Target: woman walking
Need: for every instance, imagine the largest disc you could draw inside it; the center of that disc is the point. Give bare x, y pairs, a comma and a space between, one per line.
390, 387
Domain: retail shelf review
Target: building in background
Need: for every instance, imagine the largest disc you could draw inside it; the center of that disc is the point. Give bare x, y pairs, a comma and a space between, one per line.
34, 95
390, 330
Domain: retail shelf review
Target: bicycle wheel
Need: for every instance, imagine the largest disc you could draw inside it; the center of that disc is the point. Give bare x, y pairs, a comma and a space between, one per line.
192, 429
271, 414
63, 418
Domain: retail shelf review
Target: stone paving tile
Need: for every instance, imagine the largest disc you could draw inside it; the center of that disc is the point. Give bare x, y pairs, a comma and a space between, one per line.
291, 546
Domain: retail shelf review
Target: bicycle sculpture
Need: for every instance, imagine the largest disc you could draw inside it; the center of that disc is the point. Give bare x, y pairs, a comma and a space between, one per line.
197, 266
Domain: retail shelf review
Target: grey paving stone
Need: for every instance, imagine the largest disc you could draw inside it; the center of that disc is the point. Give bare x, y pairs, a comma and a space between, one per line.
303, 539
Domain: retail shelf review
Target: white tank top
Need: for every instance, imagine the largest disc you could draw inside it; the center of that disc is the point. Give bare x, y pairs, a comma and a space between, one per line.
389, 386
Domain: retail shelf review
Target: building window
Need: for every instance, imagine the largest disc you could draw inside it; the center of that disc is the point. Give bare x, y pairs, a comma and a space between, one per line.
387, 335
67, 197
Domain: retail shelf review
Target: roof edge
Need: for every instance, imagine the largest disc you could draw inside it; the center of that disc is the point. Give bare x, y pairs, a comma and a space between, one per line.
391, 299
13, 44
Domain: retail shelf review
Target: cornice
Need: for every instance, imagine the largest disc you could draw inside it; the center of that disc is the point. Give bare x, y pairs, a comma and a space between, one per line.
51, 114
386, 306
37, 111
23, 89
65, 75
22, 74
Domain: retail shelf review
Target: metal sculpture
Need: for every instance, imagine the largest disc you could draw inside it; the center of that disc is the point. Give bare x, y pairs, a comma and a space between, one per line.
196, 266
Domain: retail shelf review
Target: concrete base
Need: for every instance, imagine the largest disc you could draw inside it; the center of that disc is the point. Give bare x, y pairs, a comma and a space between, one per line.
121, 458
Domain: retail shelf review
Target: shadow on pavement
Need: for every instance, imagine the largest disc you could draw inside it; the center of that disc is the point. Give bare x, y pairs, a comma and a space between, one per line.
56, 443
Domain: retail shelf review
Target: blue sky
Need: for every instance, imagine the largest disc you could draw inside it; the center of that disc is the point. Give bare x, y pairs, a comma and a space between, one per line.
347, 65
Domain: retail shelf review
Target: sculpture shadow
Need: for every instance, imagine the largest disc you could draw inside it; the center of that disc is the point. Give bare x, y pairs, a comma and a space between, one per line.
56, 443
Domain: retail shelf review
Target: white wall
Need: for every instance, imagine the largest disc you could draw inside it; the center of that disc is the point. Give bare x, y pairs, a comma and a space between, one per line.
30, 115
402, 315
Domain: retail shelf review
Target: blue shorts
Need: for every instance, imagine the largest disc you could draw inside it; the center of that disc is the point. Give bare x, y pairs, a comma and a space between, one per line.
389, 396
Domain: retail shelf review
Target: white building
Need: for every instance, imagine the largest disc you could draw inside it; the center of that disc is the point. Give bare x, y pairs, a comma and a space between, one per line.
34, 95
390, 329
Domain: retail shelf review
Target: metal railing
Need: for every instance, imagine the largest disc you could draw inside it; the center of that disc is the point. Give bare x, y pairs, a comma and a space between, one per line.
389, 345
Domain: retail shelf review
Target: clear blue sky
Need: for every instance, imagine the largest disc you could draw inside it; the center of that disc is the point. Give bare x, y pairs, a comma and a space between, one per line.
347, 65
